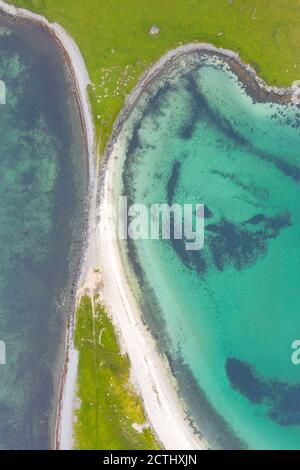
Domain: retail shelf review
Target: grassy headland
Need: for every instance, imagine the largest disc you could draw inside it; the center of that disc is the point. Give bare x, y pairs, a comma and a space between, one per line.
109, 406
114, 38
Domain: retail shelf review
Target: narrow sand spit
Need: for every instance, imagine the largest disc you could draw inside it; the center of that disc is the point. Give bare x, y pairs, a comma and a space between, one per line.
150, 373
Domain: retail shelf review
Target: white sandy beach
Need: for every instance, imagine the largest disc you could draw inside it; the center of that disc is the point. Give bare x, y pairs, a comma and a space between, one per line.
150, 373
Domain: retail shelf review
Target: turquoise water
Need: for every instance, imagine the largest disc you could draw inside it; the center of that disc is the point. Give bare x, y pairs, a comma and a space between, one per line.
226, 315
42, 189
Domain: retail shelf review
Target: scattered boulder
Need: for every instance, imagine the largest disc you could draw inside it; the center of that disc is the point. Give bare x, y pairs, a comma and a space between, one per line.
154, 31
295, 98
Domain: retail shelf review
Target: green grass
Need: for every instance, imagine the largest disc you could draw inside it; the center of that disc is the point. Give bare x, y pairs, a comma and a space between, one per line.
113, 36
108, 404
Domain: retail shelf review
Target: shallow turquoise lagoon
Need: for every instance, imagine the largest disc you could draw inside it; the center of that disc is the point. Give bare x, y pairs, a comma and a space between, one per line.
42, 191
226, 316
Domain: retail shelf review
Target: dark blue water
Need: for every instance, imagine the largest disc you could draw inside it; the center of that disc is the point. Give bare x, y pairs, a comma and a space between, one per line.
43, 181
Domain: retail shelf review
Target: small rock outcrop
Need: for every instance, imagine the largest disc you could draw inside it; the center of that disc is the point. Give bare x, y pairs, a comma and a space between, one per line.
154, 31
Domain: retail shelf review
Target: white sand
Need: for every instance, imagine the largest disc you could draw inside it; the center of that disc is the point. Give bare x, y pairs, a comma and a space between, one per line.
150, 373
66, 416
